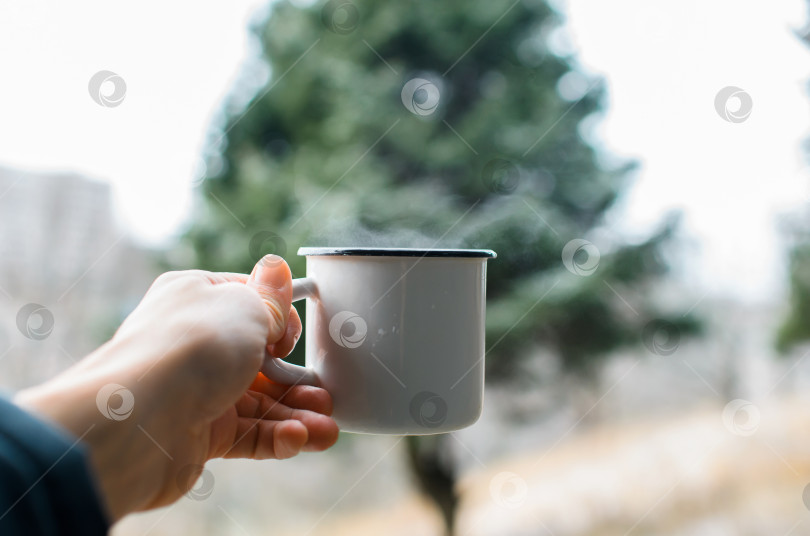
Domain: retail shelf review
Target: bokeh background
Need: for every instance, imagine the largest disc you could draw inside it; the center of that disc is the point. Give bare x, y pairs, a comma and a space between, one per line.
640, 168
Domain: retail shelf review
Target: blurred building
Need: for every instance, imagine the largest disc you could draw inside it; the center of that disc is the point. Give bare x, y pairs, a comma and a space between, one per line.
61, 248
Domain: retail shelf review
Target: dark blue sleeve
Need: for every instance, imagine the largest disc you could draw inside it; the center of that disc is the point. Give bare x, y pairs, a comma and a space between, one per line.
46, 487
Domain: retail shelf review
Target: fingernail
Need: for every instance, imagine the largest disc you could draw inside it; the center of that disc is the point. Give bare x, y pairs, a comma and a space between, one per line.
271, 260
269, 273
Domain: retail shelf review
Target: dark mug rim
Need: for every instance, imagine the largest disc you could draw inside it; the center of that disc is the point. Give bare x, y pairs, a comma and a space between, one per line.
396, 252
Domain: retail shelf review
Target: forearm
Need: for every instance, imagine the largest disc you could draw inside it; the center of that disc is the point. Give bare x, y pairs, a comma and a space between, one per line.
119, 453
46, 482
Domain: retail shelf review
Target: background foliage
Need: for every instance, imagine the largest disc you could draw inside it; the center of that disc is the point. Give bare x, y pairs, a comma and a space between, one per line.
796, 328
328, 154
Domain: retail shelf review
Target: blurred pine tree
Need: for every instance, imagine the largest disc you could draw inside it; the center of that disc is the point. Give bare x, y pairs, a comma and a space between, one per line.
796, 327
488, 150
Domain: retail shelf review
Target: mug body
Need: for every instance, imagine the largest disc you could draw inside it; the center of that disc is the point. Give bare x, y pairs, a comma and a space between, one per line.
397, 337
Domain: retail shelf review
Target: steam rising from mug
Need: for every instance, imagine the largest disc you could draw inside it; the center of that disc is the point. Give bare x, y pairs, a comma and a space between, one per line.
356, 233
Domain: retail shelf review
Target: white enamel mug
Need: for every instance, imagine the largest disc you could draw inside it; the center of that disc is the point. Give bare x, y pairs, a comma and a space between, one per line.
395, 335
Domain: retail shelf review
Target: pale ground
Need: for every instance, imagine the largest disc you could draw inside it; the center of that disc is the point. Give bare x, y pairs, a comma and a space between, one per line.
690, 476
685, 476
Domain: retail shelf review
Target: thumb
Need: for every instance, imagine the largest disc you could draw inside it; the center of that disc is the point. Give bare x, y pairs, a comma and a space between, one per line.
272, 279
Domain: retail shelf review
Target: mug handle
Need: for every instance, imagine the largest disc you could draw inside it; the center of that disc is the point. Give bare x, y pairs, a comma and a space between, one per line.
280, 371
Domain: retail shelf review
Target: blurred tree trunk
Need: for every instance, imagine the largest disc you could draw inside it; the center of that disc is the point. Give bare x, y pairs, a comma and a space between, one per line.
435, 474
731, 382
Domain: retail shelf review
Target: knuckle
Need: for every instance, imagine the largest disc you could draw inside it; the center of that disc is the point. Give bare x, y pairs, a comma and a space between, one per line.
167, 277
244, 295
189, 277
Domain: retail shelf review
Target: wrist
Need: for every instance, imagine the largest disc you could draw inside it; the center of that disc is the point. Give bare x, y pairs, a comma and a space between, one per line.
116, 452
42, 403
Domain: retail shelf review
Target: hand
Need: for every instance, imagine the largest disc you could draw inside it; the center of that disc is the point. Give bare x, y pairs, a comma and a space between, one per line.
189, 355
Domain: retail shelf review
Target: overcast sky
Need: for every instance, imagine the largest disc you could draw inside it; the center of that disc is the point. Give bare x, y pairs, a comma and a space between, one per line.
664, 63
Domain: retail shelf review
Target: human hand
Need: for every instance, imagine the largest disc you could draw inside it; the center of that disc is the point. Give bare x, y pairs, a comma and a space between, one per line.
189, 355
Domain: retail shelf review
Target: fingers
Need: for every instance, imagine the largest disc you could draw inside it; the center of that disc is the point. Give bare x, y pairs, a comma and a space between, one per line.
289, 437
272, 279
296, 396
263, 440
269, 429
323, 430
283, 347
